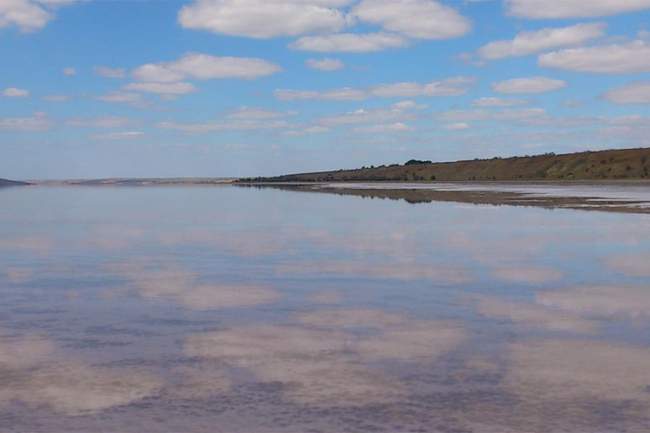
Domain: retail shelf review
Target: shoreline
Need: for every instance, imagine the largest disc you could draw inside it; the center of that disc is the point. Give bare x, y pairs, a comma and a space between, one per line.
415, 193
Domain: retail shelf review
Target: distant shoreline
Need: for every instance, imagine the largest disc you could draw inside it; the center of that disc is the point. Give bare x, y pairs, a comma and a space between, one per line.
624, 165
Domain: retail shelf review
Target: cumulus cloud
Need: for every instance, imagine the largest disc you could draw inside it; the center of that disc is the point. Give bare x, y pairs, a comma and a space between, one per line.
264, 18
633, 93
344, 94
526, 43
38, 122
544, 9
497, 102
99, 122
325, 64
458, 126
205, 67
528, 115
244, 119
69, 72
423, 19
307, 130
631, 57
14, 92
166, 89
384, 128
349, 42
528, 85
116, 136
122, 97
28, 15
448, 87
105, 71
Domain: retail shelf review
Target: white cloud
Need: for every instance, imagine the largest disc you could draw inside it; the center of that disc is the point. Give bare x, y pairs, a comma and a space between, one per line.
547, 9
528, 85
448, 87
315, 129
27, 15
124, 135
384, 128
105, 71
14, 92
344, 94
99, 122
69, 72
396, 113
38, 122
205, 67
349, 42
169, 89
423, 19
630, 57
325, 64
526, 43
633, 93
122, 97
458, 126
243, 119
264, 18
498, 102
517, 115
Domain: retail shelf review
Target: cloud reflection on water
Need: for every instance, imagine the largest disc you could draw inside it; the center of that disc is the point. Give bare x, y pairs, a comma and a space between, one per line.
33, 372
323, 361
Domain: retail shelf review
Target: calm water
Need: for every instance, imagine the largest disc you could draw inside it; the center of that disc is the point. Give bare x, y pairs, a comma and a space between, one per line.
238, 310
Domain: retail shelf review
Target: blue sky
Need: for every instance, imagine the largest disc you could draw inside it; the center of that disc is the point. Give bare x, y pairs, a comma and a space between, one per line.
258, 87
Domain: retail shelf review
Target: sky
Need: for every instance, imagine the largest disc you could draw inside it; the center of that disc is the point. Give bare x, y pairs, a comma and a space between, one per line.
148, 88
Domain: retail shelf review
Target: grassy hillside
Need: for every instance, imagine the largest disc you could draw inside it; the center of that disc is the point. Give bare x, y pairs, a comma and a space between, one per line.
6, 182
607, 164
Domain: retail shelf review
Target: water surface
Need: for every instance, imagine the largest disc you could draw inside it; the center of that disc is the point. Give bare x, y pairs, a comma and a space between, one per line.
226, 309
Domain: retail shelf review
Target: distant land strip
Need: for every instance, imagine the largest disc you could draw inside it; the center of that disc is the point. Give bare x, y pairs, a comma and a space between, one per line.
7, 182
632, 164
154, 181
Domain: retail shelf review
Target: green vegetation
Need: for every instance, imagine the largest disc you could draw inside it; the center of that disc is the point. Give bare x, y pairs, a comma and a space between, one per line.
607, 164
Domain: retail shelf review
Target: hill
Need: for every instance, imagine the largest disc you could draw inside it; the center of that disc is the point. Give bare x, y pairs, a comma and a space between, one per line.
7, 182
598, 165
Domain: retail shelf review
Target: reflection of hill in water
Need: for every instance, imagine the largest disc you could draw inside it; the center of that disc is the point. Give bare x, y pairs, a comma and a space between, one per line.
471, 195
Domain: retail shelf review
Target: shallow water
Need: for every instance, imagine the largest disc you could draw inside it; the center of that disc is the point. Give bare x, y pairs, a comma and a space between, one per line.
225, 309
611, 191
